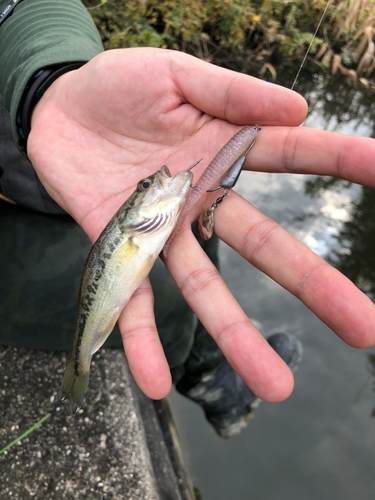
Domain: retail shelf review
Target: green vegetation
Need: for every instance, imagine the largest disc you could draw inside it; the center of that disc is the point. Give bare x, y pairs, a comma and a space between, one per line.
25, 434
207, 26
240, 33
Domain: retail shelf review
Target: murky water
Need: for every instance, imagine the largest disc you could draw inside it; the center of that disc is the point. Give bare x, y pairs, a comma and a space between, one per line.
320, 443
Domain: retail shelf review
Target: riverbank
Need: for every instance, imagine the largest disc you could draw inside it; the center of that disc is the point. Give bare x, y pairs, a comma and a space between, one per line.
119, 445
253, 37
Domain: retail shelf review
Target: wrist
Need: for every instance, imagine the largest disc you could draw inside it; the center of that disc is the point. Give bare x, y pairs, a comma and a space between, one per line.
33, 93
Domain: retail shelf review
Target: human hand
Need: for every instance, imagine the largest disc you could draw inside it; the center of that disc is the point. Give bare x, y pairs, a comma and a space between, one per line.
98, 130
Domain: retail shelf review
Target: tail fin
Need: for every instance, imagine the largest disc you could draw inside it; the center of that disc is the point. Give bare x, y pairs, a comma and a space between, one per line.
74, 386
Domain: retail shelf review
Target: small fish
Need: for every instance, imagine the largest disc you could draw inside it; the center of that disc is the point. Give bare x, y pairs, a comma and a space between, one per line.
117, 264
234, 151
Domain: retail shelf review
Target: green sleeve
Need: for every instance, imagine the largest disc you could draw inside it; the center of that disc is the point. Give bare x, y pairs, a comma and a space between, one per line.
38, 34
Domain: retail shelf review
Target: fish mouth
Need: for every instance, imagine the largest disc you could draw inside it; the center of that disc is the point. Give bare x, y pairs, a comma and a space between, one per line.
174, 184
165, 172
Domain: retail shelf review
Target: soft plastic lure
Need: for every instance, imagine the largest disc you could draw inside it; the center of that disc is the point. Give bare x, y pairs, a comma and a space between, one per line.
230, 157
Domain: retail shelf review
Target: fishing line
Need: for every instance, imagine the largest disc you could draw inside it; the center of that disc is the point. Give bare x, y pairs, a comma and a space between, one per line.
309, 47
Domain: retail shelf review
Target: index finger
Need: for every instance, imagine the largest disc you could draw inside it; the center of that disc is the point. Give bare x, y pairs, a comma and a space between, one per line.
305, 150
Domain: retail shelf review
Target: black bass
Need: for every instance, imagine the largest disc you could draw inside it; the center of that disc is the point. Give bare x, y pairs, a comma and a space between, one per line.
118, 262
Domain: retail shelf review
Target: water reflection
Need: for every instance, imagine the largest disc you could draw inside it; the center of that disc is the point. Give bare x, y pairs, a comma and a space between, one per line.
334, 103
355, 256
371, 362
337, 106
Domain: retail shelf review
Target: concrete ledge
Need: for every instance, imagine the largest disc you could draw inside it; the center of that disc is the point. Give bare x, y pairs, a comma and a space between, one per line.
119, 445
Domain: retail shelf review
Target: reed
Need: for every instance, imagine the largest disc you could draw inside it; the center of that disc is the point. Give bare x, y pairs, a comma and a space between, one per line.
348, 46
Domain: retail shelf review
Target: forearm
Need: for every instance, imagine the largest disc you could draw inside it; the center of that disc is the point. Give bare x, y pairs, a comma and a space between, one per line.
41, 34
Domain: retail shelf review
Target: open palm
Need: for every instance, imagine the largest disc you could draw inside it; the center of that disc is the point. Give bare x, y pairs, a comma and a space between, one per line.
98, 130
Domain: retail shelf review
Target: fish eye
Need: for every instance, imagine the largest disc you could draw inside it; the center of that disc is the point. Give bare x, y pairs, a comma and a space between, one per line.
144, 184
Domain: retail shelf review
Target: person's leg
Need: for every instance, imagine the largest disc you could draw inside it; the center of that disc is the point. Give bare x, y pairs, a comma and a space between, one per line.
227, 402
41, 262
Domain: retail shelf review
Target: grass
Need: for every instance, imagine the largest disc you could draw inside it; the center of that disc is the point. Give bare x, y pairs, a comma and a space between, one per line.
25, 434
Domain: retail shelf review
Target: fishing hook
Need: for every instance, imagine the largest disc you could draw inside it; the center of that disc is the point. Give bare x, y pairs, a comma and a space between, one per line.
193, 165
